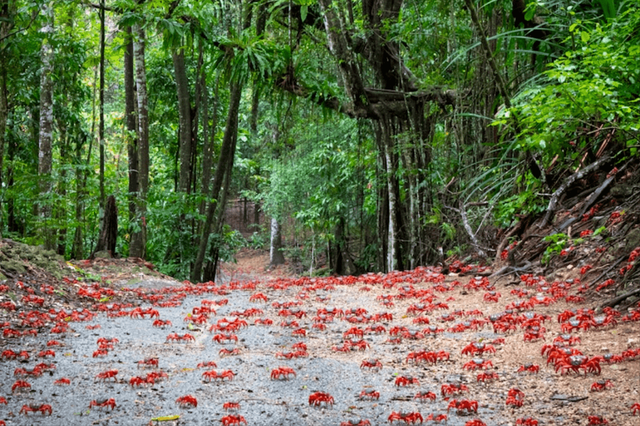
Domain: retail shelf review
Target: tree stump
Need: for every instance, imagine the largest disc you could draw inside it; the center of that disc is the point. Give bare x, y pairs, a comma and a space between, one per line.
109, 229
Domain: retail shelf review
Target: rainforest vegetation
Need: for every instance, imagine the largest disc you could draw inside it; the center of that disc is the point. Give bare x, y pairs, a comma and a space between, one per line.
368, 134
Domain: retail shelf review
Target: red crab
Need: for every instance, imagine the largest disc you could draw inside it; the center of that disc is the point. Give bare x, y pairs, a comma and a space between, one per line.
299, 332
477, 363
635, 408
576, 363
207, 364
100, 353
20, 384
527, 421
186, 400
35, 372
149, 362
406, 417
463, 404
263, 321
318, 399
477, 348
103, 402
597, 420
161, 323
475, 422
54, 343
32, 408
423, 396
453, 389
228, 406
530, 368
3, 400
568, 339
372, 364
224, 338
108, 375
601, 385
232, 420
258, 297
491, 296
483, 377
214, 375
406, 381
353, 331
370, 395
356, 422
515, 397
62, 381
282, 373
137, 381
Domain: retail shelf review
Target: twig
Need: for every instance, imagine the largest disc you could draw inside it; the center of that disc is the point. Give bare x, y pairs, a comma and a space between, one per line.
593, 197
613, 266
556, 195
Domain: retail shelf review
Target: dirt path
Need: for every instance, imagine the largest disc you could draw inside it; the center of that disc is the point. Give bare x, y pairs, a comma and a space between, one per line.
548, 395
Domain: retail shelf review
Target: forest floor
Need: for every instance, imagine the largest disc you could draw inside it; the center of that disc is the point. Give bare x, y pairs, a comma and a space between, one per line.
97, 300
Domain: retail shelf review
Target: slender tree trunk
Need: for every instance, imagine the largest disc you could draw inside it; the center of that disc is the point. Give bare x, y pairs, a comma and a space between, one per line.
46, 128
101, 107
132, 140
184, 112
139, 238
275, 254
4, 113
225, 162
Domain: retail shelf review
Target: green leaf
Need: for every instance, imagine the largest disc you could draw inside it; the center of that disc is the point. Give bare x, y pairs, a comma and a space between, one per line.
303, 12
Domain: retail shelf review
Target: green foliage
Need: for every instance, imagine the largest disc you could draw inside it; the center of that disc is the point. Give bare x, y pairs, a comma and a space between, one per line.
557, 243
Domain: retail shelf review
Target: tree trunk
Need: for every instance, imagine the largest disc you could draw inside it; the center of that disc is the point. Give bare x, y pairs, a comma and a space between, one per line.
275, 251
225, 162
139, 238
184, 112
46, 129
101, 107
4, 113
109, 228
131, 138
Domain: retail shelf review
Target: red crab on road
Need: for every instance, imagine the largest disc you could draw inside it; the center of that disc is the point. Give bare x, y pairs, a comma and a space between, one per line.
530, 368
282, 373
475, 422
62, 381
229, 406
225, 351
601, 385
515, 397
103, 402
108, 375
372, 364
148, 362
527, 421
369, 395
406, 417
635, 408
356, 422
214, 375
263, 321
161, 323
20, 384
258, 297
463, 404
186, 400
491, 296
207, 364
477, 363
597, 420
477, 348
452, 389
483, 377
232, 420
224, 338
406, 381
423, 396
32, 408
576, 363
318, 399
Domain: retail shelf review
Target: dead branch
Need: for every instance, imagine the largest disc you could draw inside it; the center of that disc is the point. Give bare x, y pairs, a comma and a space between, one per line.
613, 302
567, 183
596, 194
467, 227
505, 239
612, 267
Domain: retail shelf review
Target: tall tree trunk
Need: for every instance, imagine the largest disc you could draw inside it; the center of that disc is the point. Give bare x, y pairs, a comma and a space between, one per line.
139, 238
4, 113
131, 138
109, 229
184, 112
46, 129
101, 107
225, 162
275, 251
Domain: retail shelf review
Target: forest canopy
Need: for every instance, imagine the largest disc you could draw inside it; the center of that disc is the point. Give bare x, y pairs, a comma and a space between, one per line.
370, 136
